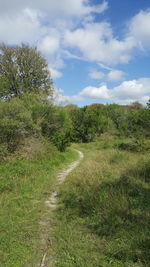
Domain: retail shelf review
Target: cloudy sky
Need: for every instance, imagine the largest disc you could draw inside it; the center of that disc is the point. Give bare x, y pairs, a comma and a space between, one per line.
98, 51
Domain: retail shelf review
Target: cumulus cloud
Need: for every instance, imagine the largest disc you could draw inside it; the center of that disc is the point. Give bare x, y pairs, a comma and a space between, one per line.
125, 93
95, 93
97, 75
49, 45
63, 7
55, 74
96, 42
43, 23
53, 25
113, 75
23, 27
139, 28
116, 75
67, 29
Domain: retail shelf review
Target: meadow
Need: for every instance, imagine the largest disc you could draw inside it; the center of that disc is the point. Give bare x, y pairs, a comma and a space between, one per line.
103, 215
26, 181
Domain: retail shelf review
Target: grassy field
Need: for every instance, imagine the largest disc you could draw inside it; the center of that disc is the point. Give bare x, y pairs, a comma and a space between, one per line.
26, 181
103, 217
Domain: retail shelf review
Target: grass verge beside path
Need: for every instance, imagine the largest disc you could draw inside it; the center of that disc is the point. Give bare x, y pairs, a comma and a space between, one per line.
103, 217
24, 186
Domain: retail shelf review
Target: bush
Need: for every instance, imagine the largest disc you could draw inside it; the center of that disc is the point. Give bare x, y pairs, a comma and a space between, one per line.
136, 145
56, 127
15, 124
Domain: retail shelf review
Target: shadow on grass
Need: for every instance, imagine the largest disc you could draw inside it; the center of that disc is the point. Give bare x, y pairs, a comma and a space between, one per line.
123, 216
117, 212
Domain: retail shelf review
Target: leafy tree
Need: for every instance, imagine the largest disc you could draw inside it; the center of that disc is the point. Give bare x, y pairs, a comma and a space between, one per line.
148, 104
139, 122
85, 124
23, 69
118, 114
99, 117
136, 105
56, 126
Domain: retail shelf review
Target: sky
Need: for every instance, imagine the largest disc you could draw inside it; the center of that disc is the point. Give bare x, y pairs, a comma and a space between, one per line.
97, 51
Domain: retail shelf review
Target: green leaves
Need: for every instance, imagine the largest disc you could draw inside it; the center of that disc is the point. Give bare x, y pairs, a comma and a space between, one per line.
22, 70
15, 123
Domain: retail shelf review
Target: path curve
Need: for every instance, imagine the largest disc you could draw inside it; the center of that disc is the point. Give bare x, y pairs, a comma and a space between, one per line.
52, 201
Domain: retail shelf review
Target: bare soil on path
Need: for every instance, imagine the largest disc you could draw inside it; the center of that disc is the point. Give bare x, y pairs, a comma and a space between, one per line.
51, 203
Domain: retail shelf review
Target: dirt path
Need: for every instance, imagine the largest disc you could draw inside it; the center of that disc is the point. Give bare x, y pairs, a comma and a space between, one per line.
52, 201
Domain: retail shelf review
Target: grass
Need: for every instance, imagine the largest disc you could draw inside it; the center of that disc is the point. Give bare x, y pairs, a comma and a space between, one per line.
103, 216
25, 183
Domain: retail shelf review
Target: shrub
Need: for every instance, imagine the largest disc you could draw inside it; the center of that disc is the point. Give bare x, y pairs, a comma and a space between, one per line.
15, 124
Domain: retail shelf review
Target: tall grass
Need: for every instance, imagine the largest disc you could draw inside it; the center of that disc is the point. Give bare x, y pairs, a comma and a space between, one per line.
25, 182
103, 218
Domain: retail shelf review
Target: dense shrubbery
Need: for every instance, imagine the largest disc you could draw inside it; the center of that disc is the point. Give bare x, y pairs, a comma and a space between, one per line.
15, 123
25, 110
32, 115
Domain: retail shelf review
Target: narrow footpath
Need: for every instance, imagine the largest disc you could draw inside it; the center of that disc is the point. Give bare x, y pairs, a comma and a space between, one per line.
52, 201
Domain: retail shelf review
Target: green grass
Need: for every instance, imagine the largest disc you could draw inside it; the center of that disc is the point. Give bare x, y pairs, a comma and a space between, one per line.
24, 186
103, 218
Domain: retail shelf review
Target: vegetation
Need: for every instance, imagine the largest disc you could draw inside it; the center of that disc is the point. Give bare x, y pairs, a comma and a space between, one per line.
103, 215
26, 182
23, 70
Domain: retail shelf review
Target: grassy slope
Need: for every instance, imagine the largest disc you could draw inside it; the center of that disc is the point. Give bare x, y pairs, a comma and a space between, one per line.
24, 185
103, 218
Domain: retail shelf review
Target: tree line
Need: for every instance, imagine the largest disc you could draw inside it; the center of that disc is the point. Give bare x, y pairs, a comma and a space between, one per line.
27, 109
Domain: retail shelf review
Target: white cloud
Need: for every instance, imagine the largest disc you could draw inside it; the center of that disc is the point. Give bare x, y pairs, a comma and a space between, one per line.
24, 27
128, 90
55, 74
113, 75
140, 28
97, 75
49, 45
93, 92
103, 66
132, 90
59, 98
43, 23
96, 42
53, 25
63, 7
116, 75
125, 93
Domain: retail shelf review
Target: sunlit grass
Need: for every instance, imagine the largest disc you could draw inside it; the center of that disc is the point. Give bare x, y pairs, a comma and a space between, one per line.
25, 184
103, 217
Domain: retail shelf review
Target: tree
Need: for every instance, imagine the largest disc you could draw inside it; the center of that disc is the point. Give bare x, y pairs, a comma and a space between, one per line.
23, 69
148, 104
136, 105
56, 126
119, 115
84, 123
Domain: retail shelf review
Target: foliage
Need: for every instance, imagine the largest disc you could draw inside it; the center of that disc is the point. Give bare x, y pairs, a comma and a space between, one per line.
148, 104
88, 122
139, 122
104, 207
15, 124
56, 126
23, 69
25, 184
24, 76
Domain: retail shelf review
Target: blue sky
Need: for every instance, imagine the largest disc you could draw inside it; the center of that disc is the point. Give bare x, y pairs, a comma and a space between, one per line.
97, 51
